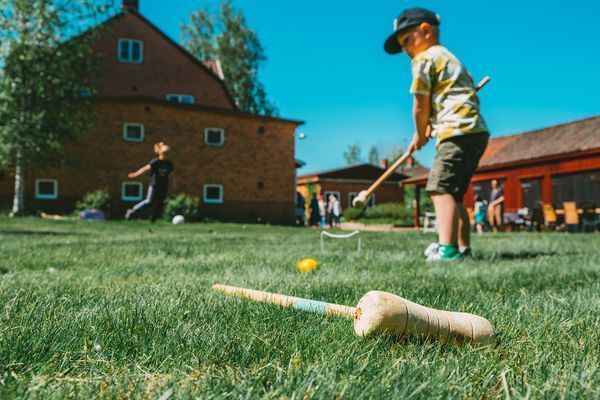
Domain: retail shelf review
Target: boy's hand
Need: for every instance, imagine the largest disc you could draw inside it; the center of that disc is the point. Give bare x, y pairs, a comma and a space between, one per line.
131, 175
418, 141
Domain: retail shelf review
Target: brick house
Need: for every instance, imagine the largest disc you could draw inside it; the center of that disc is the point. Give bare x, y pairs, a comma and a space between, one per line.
553, 165
347, 182
150, 89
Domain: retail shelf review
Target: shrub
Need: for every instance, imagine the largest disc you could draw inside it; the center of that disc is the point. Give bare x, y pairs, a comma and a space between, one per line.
352, 214
99, 199
183, 204
389, 211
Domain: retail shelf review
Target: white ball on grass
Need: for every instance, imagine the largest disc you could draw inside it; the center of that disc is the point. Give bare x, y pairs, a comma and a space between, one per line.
178, 219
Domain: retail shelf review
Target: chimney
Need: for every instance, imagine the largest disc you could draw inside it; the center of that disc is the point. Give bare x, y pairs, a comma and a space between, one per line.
131, 5
383, 163
410, 162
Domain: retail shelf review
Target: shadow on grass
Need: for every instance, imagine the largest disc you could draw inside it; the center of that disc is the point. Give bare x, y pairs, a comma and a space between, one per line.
40, 233
522, 255
3, 271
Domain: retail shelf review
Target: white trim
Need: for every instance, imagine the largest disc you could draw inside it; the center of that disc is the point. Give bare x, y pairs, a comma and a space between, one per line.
130, 59
140, 185
127, 125
40, 196
179, 98
213, 201
221, 143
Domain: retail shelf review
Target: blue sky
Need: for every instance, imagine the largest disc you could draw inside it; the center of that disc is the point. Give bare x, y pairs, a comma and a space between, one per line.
326, 65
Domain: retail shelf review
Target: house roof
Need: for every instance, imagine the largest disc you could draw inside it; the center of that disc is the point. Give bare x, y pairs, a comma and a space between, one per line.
570, 137
354, 172
565, 139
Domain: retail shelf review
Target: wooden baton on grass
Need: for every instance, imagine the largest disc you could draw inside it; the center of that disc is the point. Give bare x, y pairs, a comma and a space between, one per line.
385, 313
363, 196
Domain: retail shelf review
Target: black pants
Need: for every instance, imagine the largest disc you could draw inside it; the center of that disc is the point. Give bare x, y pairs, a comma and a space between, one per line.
155, 198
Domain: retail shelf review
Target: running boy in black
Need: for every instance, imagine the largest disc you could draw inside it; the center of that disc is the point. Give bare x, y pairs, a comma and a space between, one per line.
159, 168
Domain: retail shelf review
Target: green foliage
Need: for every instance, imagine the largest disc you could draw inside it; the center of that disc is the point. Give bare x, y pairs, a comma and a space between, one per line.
387, 213
226, 37
353, 214
99, 199
352, 154
120, 311
374, 156
183, 204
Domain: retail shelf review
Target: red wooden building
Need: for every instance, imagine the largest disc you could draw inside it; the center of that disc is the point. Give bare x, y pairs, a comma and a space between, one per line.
552, 165
345, 183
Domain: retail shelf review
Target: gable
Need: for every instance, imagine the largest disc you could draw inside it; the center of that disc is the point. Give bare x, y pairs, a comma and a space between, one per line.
166, 68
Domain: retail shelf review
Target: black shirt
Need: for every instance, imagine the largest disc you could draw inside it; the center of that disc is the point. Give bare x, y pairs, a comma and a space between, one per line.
159, 172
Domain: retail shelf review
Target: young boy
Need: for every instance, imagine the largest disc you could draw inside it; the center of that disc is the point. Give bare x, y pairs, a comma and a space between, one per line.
446, 108
159, 168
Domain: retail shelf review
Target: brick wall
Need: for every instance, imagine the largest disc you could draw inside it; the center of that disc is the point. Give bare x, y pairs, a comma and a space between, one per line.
103, 159
165, 68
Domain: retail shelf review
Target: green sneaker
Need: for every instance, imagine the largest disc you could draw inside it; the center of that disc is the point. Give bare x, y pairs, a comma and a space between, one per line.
445, 252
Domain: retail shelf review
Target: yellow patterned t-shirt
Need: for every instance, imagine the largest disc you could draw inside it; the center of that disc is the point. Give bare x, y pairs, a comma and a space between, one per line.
454, 103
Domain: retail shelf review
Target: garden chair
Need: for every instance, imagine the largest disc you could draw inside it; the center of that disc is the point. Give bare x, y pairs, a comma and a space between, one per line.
589, 218
571, 215
550, 218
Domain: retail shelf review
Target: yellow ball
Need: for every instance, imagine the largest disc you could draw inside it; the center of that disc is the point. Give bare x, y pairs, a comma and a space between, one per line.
307, 265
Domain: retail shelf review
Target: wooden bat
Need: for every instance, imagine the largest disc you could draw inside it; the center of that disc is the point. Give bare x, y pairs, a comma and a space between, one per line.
385, 313
363, 196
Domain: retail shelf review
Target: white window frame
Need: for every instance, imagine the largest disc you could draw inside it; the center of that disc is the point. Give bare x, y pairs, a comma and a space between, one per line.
129, 59
40, 196
370, 203
130, 198
128, 124
180, 97
221, 143
212, 201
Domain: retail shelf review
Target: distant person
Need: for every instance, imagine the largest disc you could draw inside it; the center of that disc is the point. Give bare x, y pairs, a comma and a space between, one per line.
445, 107
315, 217
159, 168
479, 210
300, 209
335, 211
496, 207
322, 211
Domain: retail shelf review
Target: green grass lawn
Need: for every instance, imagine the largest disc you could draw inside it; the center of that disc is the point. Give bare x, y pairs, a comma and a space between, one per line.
125, 310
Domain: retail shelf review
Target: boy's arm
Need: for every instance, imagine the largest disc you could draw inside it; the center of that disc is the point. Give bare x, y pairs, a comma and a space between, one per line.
421, 114
140, 171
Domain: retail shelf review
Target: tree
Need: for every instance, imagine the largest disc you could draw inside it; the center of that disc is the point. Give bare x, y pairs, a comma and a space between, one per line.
373, 156
352, 154
44, 70
225, 37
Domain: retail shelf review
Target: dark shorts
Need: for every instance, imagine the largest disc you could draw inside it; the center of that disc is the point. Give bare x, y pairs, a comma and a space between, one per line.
455, 163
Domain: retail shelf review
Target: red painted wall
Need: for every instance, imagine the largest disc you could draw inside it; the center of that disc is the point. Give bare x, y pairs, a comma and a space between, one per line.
512, 176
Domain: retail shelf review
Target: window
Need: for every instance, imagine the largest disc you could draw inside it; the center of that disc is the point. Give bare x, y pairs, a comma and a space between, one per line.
532, 192
181, 98
131, 51
214, 136
370, 203
133, 132
580, 188
213, 193
46, 189
131, 191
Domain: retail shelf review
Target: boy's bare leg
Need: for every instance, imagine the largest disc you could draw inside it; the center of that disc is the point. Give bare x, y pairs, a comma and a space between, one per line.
464, 226
445, 217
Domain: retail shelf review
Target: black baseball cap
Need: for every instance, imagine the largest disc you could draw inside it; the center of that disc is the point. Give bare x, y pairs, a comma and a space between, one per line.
408, 19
